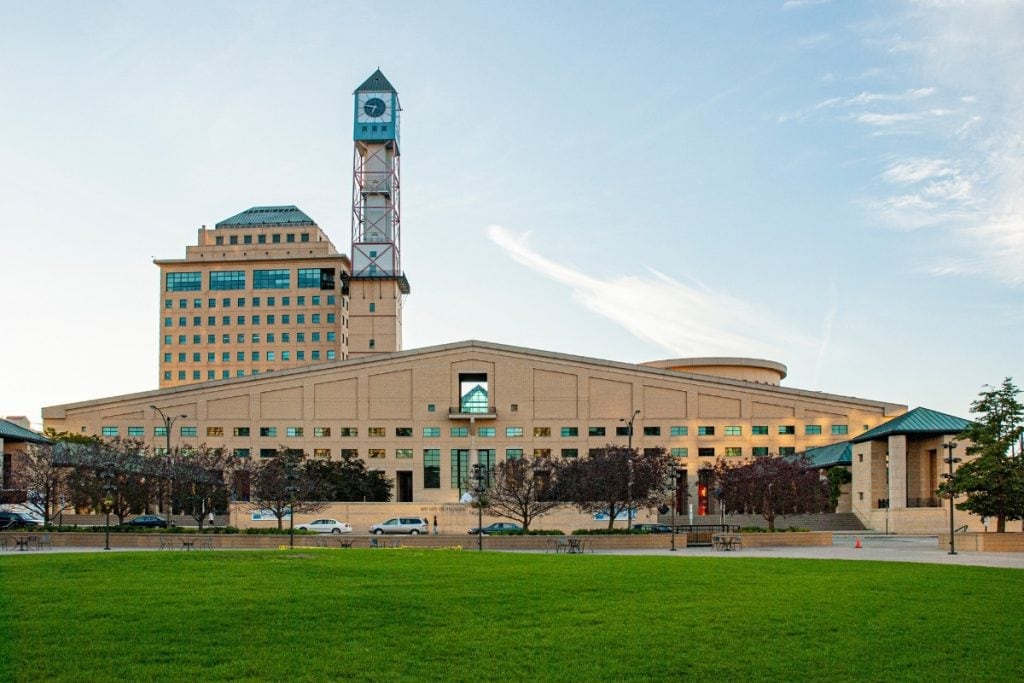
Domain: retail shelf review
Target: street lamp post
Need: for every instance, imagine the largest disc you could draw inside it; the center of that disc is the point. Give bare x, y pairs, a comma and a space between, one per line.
479, 489
106, 475
674, 488
629, 479
168, 423
950, 460
291, 475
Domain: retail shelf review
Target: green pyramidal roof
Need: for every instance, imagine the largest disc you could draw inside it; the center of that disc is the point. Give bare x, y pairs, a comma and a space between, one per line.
918, 422
13, 432
267, 215
376, 83
831, 455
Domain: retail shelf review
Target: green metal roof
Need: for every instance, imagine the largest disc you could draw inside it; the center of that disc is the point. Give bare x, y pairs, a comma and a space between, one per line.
267, 216
12, 432
829, 456
376, 83
918, 422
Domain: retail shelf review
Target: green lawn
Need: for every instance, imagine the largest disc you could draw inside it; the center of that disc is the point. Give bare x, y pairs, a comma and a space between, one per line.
445, 615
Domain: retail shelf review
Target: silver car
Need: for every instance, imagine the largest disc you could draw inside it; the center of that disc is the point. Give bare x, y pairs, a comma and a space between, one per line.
401, 525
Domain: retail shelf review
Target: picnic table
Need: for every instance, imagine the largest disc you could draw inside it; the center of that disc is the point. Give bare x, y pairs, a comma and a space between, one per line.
570, 545
727, 541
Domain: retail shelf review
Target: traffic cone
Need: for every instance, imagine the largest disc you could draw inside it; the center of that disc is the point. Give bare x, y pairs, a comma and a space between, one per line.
857, 544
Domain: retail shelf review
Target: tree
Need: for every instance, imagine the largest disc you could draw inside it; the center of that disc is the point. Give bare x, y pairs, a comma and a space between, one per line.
201, 480
45, 482
614, 479
837, 476
993, 481
281, 485
520, 488
771, 487
348, 479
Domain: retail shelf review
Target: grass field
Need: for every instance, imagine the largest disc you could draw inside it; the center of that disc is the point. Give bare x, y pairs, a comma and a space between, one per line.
444, 615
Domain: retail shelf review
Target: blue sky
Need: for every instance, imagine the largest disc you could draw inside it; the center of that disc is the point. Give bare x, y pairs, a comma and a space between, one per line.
832, 185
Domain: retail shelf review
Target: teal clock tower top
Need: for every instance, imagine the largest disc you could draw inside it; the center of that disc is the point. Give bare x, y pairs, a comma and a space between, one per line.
376, 110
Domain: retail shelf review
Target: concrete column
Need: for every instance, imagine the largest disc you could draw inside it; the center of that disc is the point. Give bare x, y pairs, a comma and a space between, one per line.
897, 471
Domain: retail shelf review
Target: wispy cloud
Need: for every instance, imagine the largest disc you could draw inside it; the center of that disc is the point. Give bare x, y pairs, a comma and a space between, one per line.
681, 318
797, 4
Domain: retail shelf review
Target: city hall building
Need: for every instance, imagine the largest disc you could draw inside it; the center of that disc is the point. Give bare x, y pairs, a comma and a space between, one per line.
271, 337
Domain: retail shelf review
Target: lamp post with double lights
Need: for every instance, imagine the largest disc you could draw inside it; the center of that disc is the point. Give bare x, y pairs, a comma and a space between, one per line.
629, 479
168, 421
106, 475
479, 488
950, 460
674, 487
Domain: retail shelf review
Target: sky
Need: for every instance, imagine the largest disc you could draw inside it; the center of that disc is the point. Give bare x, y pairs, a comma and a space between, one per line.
835, 186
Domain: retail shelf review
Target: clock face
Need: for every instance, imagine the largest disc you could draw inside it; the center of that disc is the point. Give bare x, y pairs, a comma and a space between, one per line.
374, 108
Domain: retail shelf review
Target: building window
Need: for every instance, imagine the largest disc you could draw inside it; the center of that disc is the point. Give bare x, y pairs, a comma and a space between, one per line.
812, 430
459, 432
330, 354
679, 452
109, 431
706, 430
840, 429
733, 430
542, 452
569, 432
513, 432
622, 431
431, 468
513, 453
215, 431
319, 432
373, 343
268, 431
378, 453
570, 452
241, 452
137, 432
733, 452
373, 308
759, 430
652, 431
315, 355
293, 431
759, 451
787, 429
595, 431
227, 279
286, 355
184, 282
403, 453
787, 450
678, 431
403, 431
541, 432
188, 431
159, 431
271, 279
377, 432
431, 432
268, 452
706, 452
350, 431
459, 468
240, 431
486, 432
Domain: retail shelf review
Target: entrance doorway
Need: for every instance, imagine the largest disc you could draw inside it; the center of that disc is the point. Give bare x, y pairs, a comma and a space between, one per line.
403, 481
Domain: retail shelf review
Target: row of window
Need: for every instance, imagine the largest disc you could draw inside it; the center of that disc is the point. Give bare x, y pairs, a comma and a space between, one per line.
226, 374
257, 302
271, 319
225, 356
277, 278
275, 238
255, 337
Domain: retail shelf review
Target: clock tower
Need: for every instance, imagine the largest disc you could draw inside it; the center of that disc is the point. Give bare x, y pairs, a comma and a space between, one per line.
377, 285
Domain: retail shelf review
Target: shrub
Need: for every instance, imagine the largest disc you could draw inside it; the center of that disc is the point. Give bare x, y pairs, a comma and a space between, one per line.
606, 532
544, 532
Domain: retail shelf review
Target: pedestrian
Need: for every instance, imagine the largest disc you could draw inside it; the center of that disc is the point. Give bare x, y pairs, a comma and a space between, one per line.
210, 518
435, 525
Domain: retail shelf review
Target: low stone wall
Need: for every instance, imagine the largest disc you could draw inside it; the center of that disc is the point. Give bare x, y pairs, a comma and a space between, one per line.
795, 539
986, 542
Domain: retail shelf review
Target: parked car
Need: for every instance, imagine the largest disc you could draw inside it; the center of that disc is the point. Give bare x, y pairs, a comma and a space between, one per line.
401, 525
325, 526
148, 522
654, 528
497, 528
17, 520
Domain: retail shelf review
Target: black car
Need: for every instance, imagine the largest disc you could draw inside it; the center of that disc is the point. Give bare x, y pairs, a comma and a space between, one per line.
148, 521
497, 528
654, 528
16, 520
